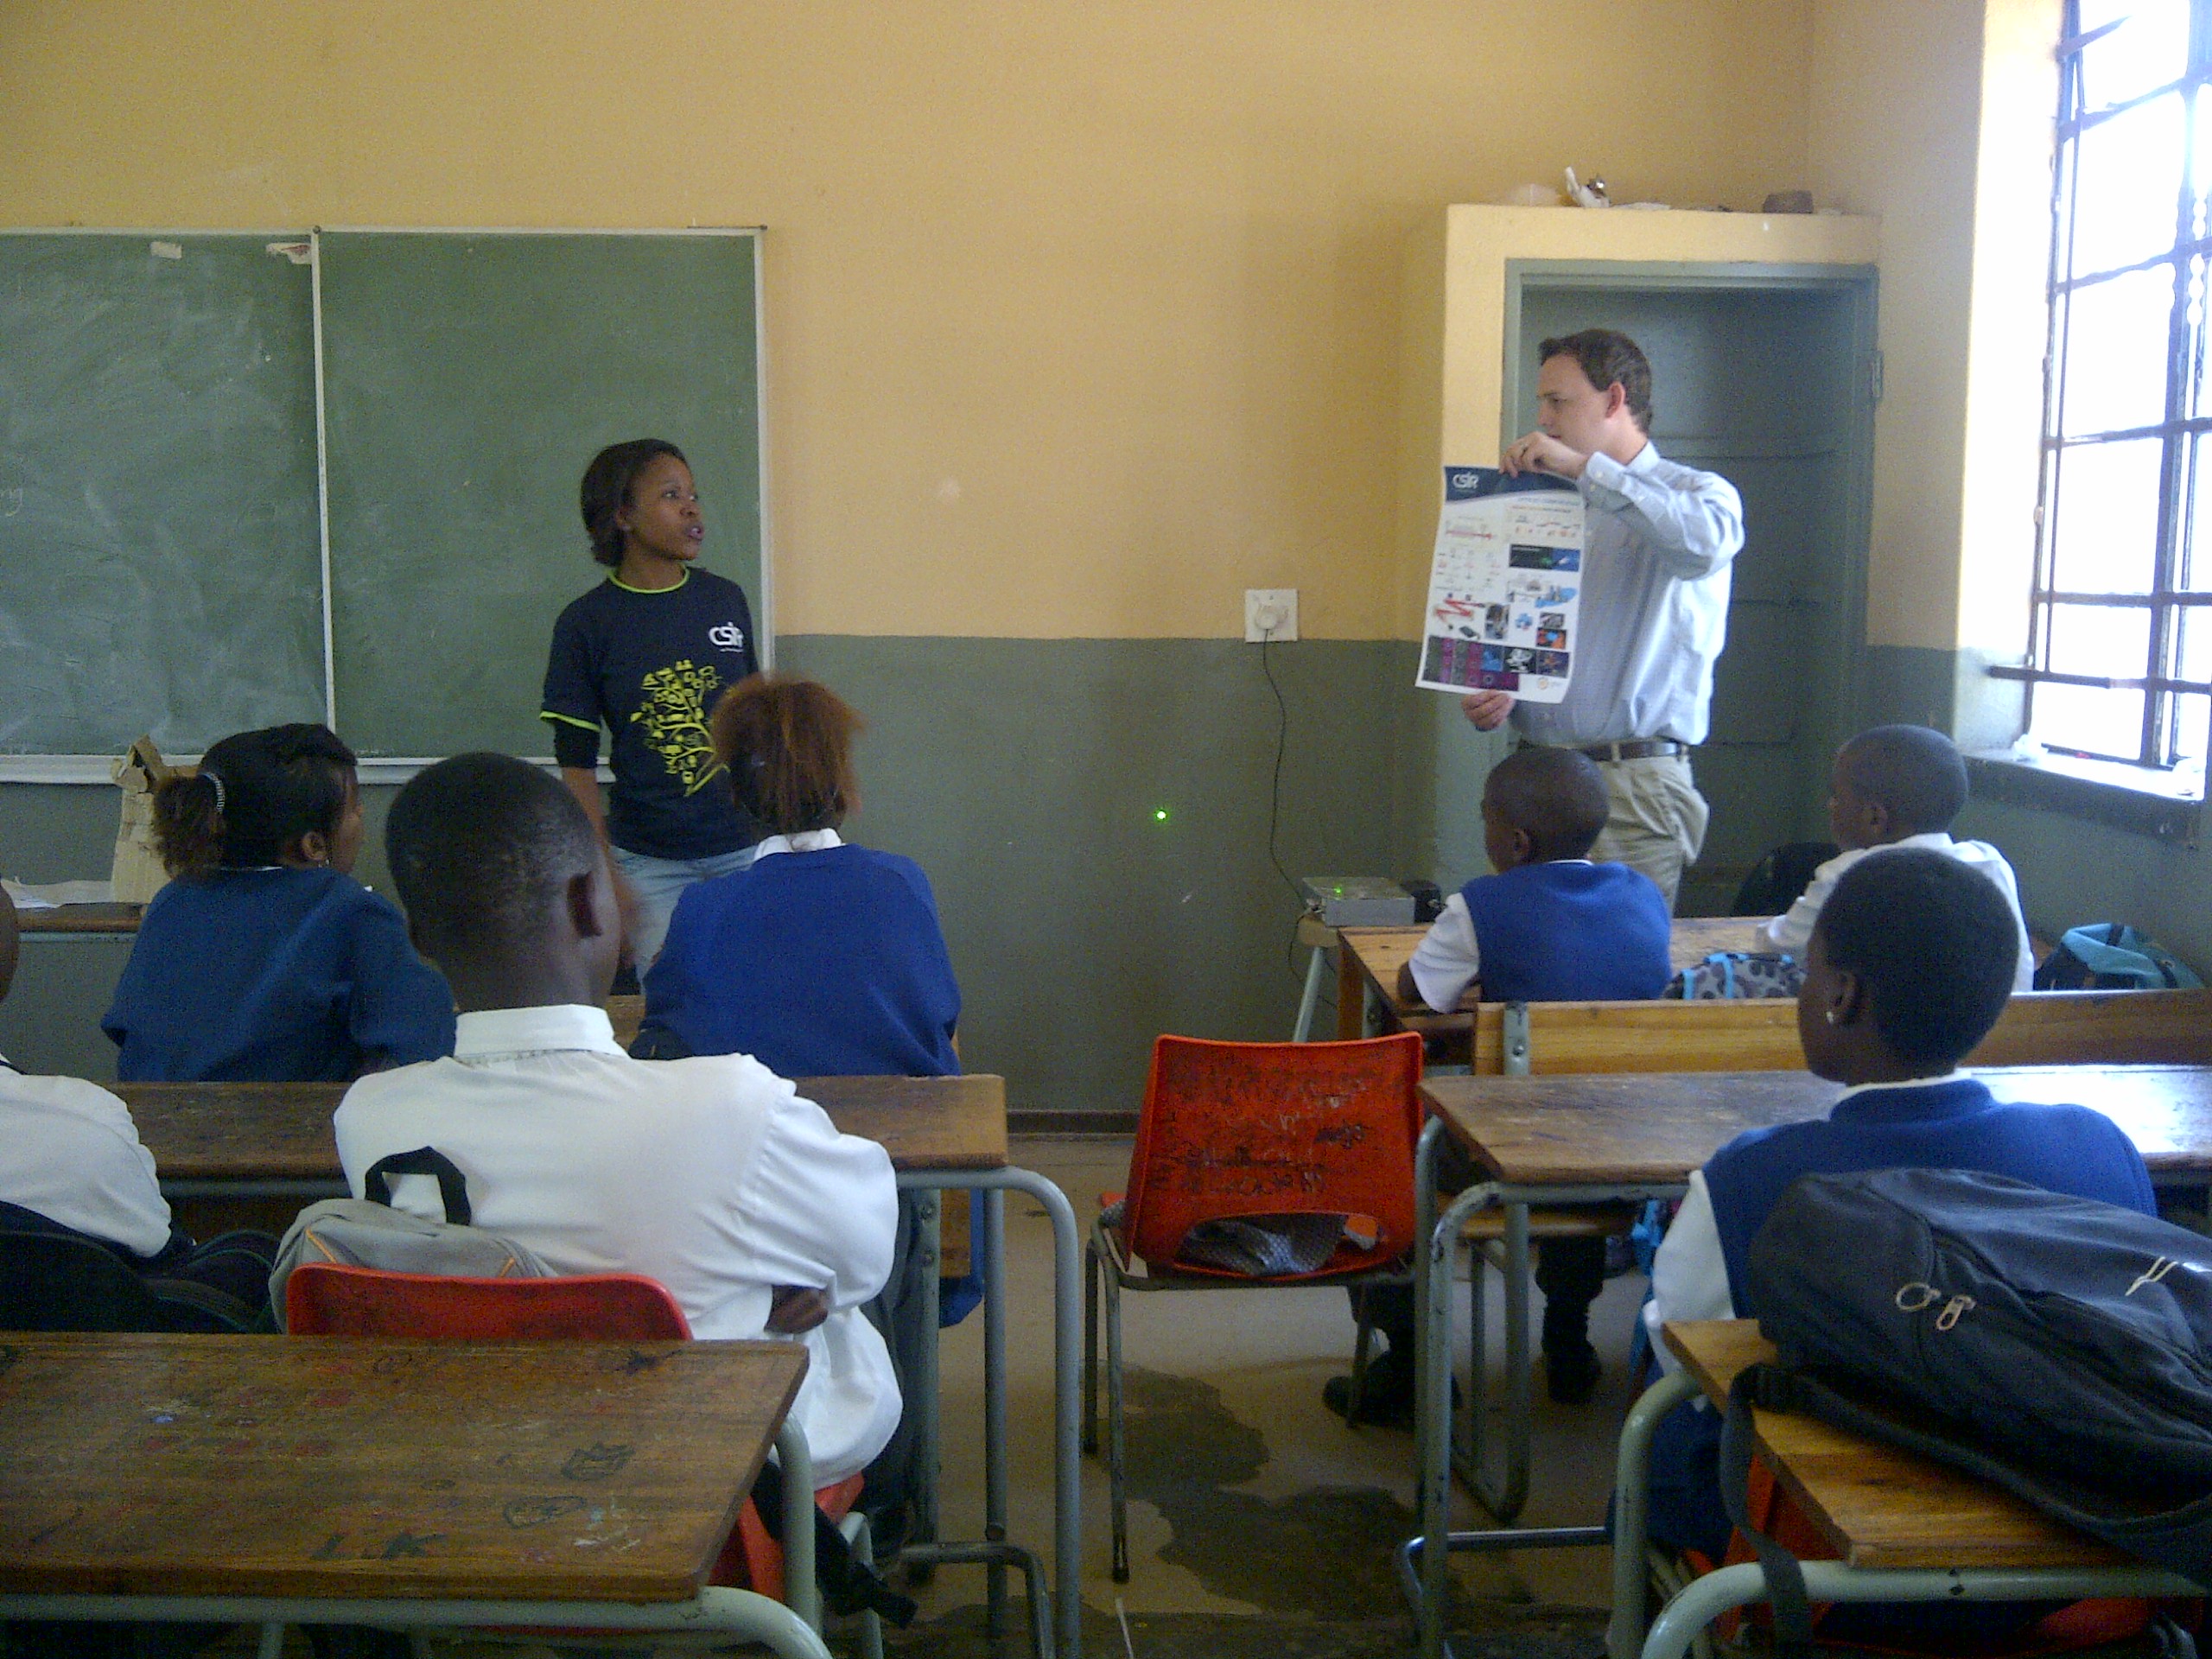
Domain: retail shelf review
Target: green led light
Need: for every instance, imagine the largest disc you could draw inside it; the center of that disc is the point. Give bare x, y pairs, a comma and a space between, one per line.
1160, 815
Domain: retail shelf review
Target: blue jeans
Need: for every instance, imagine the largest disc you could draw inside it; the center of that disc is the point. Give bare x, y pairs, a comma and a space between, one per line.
655, 886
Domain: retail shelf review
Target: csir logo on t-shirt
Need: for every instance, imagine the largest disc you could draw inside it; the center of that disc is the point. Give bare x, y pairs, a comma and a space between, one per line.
728, 635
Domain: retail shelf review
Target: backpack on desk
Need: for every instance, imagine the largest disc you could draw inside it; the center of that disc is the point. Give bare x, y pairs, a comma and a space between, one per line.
2057, 1347
368, 1232
1727, 975
2112, 957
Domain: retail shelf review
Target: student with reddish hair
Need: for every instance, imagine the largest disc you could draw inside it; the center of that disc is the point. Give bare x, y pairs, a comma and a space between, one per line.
820, 959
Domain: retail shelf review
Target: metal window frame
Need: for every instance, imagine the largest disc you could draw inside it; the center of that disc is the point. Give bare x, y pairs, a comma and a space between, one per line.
2185, 428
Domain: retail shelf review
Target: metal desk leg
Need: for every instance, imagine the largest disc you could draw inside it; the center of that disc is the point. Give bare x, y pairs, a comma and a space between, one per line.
1632, 1509
801, 1593
1707, 1597
991, 1235
1311, 998
995, 1554
741, 1613
1424, 1562
927, 1405
1067, 1396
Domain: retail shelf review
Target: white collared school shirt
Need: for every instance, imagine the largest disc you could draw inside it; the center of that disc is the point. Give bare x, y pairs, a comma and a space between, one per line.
69, 1150
710, 1174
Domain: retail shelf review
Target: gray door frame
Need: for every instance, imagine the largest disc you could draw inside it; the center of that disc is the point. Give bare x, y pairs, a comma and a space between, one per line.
1857, 285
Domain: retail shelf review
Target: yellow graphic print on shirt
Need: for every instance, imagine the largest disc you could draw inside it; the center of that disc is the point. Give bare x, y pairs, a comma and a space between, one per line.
674, 716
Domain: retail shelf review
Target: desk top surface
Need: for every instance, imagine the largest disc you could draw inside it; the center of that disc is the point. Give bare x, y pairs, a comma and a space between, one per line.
323, 1466
80, 918
1380, 952
1636, 1128
281, 1131
1876, 1506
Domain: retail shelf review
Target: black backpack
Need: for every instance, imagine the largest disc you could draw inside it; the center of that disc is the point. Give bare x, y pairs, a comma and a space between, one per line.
2059, 1347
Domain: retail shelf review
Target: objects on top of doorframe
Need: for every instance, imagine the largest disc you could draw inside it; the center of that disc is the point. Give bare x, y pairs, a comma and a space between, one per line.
1591, 195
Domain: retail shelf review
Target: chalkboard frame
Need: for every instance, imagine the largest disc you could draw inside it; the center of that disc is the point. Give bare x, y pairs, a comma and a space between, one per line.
95, 769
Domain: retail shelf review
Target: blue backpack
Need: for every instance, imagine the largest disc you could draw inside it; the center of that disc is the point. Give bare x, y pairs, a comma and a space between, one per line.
2112, 957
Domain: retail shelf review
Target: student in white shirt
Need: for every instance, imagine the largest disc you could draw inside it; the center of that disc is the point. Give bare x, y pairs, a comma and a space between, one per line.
1898, 787
70, 1154
710, 1175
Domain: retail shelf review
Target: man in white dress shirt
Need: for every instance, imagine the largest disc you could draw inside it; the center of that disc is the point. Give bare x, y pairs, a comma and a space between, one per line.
711, 1175
1658, 542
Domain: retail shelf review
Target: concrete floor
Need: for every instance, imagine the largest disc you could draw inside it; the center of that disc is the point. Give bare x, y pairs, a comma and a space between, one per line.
1259, 1524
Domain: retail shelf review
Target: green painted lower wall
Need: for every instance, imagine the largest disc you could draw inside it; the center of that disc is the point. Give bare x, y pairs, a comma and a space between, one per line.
1023, 775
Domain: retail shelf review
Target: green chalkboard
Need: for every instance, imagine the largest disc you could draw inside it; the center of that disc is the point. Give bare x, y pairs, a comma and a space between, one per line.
468, 378
159, 561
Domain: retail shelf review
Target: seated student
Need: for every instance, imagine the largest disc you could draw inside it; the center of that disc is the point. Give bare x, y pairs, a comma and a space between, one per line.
821, 958
1898, 787
1550, 926
710, 1175
1910, 965
262, 960
71, 1156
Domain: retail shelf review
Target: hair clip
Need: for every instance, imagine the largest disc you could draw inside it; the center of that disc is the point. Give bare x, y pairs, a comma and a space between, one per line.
1831, 1016
216, 778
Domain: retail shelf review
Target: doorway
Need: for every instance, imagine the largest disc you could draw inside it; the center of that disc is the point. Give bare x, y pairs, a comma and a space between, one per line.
1767, 376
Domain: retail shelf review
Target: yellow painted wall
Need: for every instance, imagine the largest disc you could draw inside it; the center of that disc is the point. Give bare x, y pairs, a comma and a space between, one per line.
1083, 314
1937, 116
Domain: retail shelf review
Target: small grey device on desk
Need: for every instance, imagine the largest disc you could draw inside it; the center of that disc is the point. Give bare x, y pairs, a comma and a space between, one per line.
1358, 901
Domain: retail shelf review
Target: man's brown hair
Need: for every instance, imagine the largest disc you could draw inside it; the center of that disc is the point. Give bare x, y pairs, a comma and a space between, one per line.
788, 743
1605, 355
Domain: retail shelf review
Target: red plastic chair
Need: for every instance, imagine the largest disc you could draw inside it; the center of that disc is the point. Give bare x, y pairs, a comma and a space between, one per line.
1239, 1130
325, 1299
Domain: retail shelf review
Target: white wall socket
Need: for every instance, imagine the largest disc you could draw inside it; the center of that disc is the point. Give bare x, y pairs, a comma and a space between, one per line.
1270, 613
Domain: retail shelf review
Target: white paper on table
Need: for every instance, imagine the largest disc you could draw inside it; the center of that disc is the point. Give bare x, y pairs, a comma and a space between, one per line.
1504, 587
52, 895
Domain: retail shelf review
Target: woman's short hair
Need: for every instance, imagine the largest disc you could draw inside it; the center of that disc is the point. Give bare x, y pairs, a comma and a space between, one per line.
788, 743
606, 491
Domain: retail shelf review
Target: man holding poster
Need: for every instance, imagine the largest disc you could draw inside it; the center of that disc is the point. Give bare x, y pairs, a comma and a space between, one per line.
1658, 539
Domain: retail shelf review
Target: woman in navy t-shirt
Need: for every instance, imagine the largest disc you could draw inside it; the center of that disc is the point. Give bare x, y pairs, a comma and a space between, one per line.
647, 654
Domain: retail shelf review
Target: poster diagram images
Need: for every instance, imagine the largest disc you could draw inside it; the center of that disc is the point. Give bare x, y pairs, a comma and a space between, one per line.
1499, 616
1545, 558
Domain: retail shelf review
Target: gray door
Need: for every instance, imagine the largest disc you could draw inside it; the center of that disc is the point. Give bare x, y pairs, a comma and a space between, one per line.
1766, 382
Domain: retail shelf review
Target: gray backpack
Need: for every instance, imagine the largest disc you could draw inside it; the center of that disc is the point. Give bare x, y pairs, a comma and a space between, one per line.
368, 1232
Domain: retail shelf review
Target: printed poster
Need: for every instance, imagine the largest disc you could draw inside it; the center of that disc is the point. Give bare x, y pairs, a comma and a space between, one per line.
1504, 589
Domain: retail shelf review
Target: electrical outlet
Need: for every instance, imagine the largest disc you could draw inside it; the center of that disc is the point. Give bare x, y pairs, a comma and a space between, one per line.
1270, 613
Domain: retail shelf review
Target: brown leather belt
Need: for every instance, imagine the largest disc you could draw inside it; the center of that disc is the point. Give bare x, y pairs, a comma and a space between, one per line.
1641, 749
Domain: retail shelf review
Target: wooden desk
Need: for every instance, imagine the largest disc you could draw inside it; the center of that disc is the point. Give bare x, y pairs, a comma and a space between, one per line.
1651, 1131
301, 1468
230, 1135
1587, 1139
941, 1133
1905, 1529
79, 922
1369, 958
1875, 1505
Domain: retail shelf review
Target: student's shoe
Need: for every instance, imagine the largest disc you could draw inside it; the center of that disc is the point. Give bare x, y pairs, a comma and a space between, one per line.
1570, 1374
1386, 1401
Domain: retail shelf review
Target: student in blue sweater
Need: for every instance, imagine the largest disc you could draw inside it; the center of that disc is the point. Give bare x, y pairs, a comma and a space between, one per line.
1550, 926
262, 960
1911, 962
820, 959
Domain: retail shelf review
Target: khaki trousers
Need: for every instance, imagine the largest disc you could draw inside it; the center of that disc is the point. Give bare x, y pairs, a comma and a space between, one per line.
1658, 818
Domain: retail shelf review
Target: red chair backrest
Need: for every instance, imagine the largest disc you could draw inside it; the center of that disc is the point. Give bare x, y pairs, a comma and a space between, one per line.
1233, 1130
324, 1300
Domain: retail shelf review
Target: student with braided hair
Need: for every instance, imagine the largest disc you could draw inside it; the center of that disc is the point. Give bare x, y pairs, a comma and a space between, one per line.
264, 960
